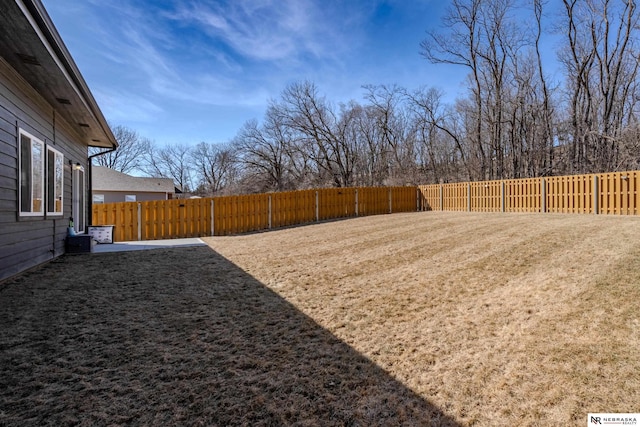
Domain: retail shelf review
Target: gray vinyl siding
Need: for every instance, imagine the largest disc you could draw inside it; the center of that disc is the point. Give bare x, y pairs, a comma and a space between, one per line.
28, 241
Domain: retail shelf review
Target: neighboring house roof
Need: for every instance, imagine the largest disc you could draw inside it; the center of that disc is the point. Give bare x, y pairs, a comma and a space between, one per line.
30, 43
106, 179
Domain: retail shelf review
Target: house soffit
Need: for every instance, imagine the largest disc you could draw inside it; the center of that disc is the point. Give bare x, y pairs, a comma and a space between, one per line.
32, 46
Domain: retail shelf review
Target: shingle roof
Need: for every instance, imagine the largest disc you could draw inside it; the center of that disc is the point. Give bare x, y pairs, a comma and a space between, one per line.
106, 179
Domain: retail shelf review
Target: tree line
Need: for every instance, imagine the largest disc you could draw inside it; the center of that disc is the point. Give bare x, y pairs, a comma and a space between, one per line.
514, 121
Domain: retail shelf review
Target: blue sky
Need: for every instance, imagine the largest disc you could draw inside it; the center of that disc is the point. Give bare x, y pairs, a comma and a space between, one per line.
186, 71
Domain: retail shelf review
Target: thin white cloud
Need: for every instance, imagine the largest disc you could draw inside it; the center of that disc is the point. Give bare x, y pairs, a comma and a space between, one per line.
269, 30
121, 105
141, 50
171, 80
160, 70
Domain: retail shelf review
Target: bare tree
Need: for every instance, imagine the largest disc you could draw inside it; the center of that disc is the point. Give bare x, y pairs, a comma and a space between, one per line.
269, 152
460, 46
372, 164
171, 161
309, 115
389, 109
216, 167
545, 158
442, 147
130, 154
601, 62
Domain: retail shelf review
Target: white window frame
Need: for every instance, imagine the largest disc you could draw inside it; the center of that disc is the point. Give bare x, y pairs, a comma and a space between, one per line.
32, 178
98, 199
130, 198
58, 186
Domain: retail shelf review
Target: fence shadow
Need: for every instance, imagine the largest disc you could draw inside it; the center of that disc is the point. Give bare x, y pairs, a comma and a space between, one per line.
180, 337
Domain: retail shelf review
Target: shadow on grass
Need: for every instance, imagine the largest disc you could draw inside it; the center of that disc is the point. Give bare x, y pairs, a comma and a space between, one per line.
180, 337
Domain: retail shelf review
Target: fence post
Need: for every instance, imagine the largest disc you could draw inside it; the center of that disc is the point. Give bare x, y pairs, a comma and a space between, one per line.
317, 208
502, 197
213, 230
469, 197
269, 211
390, 203
417, 199
356, 202
139, 221
596, 195
544, 196
441, 199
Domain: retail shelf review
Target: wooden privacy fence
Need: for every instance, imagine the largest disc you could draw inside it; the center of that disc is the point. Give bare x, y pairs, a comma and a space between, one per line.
616, 193
166, 219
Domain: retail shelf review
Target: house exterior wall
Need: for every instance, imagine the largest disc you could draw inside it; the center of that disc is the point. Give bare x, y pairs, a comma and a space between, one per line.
119, 196
28, 241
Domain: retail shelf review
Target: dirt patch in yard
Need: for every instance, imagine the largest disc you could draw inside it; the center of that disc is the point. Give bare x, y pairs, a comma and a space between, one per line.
497, 319
180, 337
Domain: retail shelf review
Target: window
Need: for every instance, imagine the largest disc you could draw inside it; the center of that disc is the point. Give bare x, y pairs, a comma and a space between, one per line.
98, 199
130, 198
78, 204
31, 161
55, 181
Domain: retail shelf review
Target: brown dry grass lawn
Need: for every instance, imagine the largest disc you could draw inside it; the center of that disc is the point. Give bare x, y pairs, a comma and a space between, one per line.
497, 319
409, 319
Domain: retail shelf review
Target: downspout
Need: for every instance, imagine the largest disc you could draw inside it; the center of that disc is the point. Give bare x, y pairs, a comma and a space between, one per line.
90, 177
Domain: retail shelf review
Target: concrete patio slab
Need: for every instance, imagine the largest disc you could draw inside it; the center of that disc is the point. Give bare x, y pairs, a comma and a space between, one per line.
147, 244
